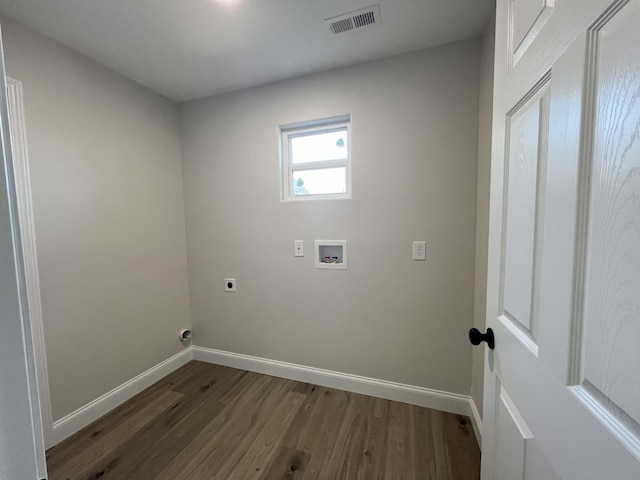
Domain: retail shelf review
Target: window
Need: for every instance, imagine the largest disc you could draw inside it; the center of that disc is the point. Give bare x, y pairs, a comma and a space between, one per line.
316, 160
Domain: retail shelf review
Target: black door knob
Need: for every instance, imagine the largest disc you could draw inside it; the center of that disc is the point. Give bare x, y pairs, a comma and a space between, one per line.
476, 337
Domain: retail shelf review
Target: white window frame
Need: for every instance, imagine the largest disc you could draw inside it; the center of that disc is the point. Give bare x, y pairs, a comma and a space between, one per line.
287, 169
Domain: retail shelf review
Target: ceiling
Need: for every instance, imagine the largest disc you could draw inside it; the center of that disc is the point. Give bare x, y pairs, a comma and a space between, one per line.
188, 49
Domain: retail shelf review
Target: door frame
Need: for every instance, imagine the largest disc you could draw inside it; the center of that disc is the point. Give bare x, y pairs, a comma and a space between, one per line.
17, 125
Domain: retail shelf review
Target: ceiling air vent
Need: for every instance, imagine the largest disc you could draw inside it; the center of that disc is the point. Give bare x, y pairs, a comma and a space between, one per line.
361, 18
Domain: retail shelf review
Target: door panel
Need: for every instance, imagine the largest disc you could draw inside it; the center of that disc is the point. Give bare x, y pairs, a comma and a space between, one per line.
564, 247
513, 435
527, 131
526, 19
611, 355
525, 14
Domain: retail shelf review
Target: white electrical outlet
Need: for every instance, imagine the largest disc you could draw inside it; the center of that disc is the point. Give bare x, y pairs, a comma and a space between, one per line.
298, 248
419, 250
230, 285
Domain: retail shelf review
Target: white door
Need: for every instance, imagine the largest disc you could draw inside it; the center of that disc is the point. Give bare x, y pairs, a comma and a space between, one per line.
21, 442
562, 387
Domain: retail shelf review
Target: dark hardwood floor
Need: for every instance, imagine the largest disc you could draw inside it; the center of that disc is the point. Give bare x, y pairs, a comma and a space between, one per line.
207, 422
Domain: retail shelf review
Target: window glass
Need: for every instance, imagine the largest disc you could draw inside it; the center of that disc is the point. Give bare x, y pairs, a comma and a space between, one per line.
319, 182
313, 147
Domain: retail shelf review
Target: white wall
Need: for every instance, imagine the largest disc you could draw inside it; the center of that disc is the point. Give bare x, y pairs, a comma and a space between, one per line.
414, 147
482, 207
109, 218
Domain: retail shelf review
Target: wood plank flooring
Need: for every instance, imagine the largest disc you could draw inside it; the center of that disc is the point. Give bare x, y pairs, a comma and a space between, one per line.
207, 422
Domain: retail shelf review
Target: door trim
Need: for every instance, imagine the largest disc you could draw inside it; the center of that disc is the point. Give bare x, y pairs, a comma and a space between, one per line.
17, 125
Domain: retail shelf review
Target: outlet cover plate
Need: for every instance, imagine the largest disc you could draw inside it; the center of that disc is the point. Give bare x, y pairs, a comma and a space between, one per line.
298, 248
419, 251
230, 285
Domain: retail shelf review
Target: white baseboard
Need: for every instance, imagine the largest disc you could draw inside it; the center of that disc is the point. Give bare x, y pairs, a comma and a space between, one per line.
399, 392
75, 421
423, 397
476, 421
